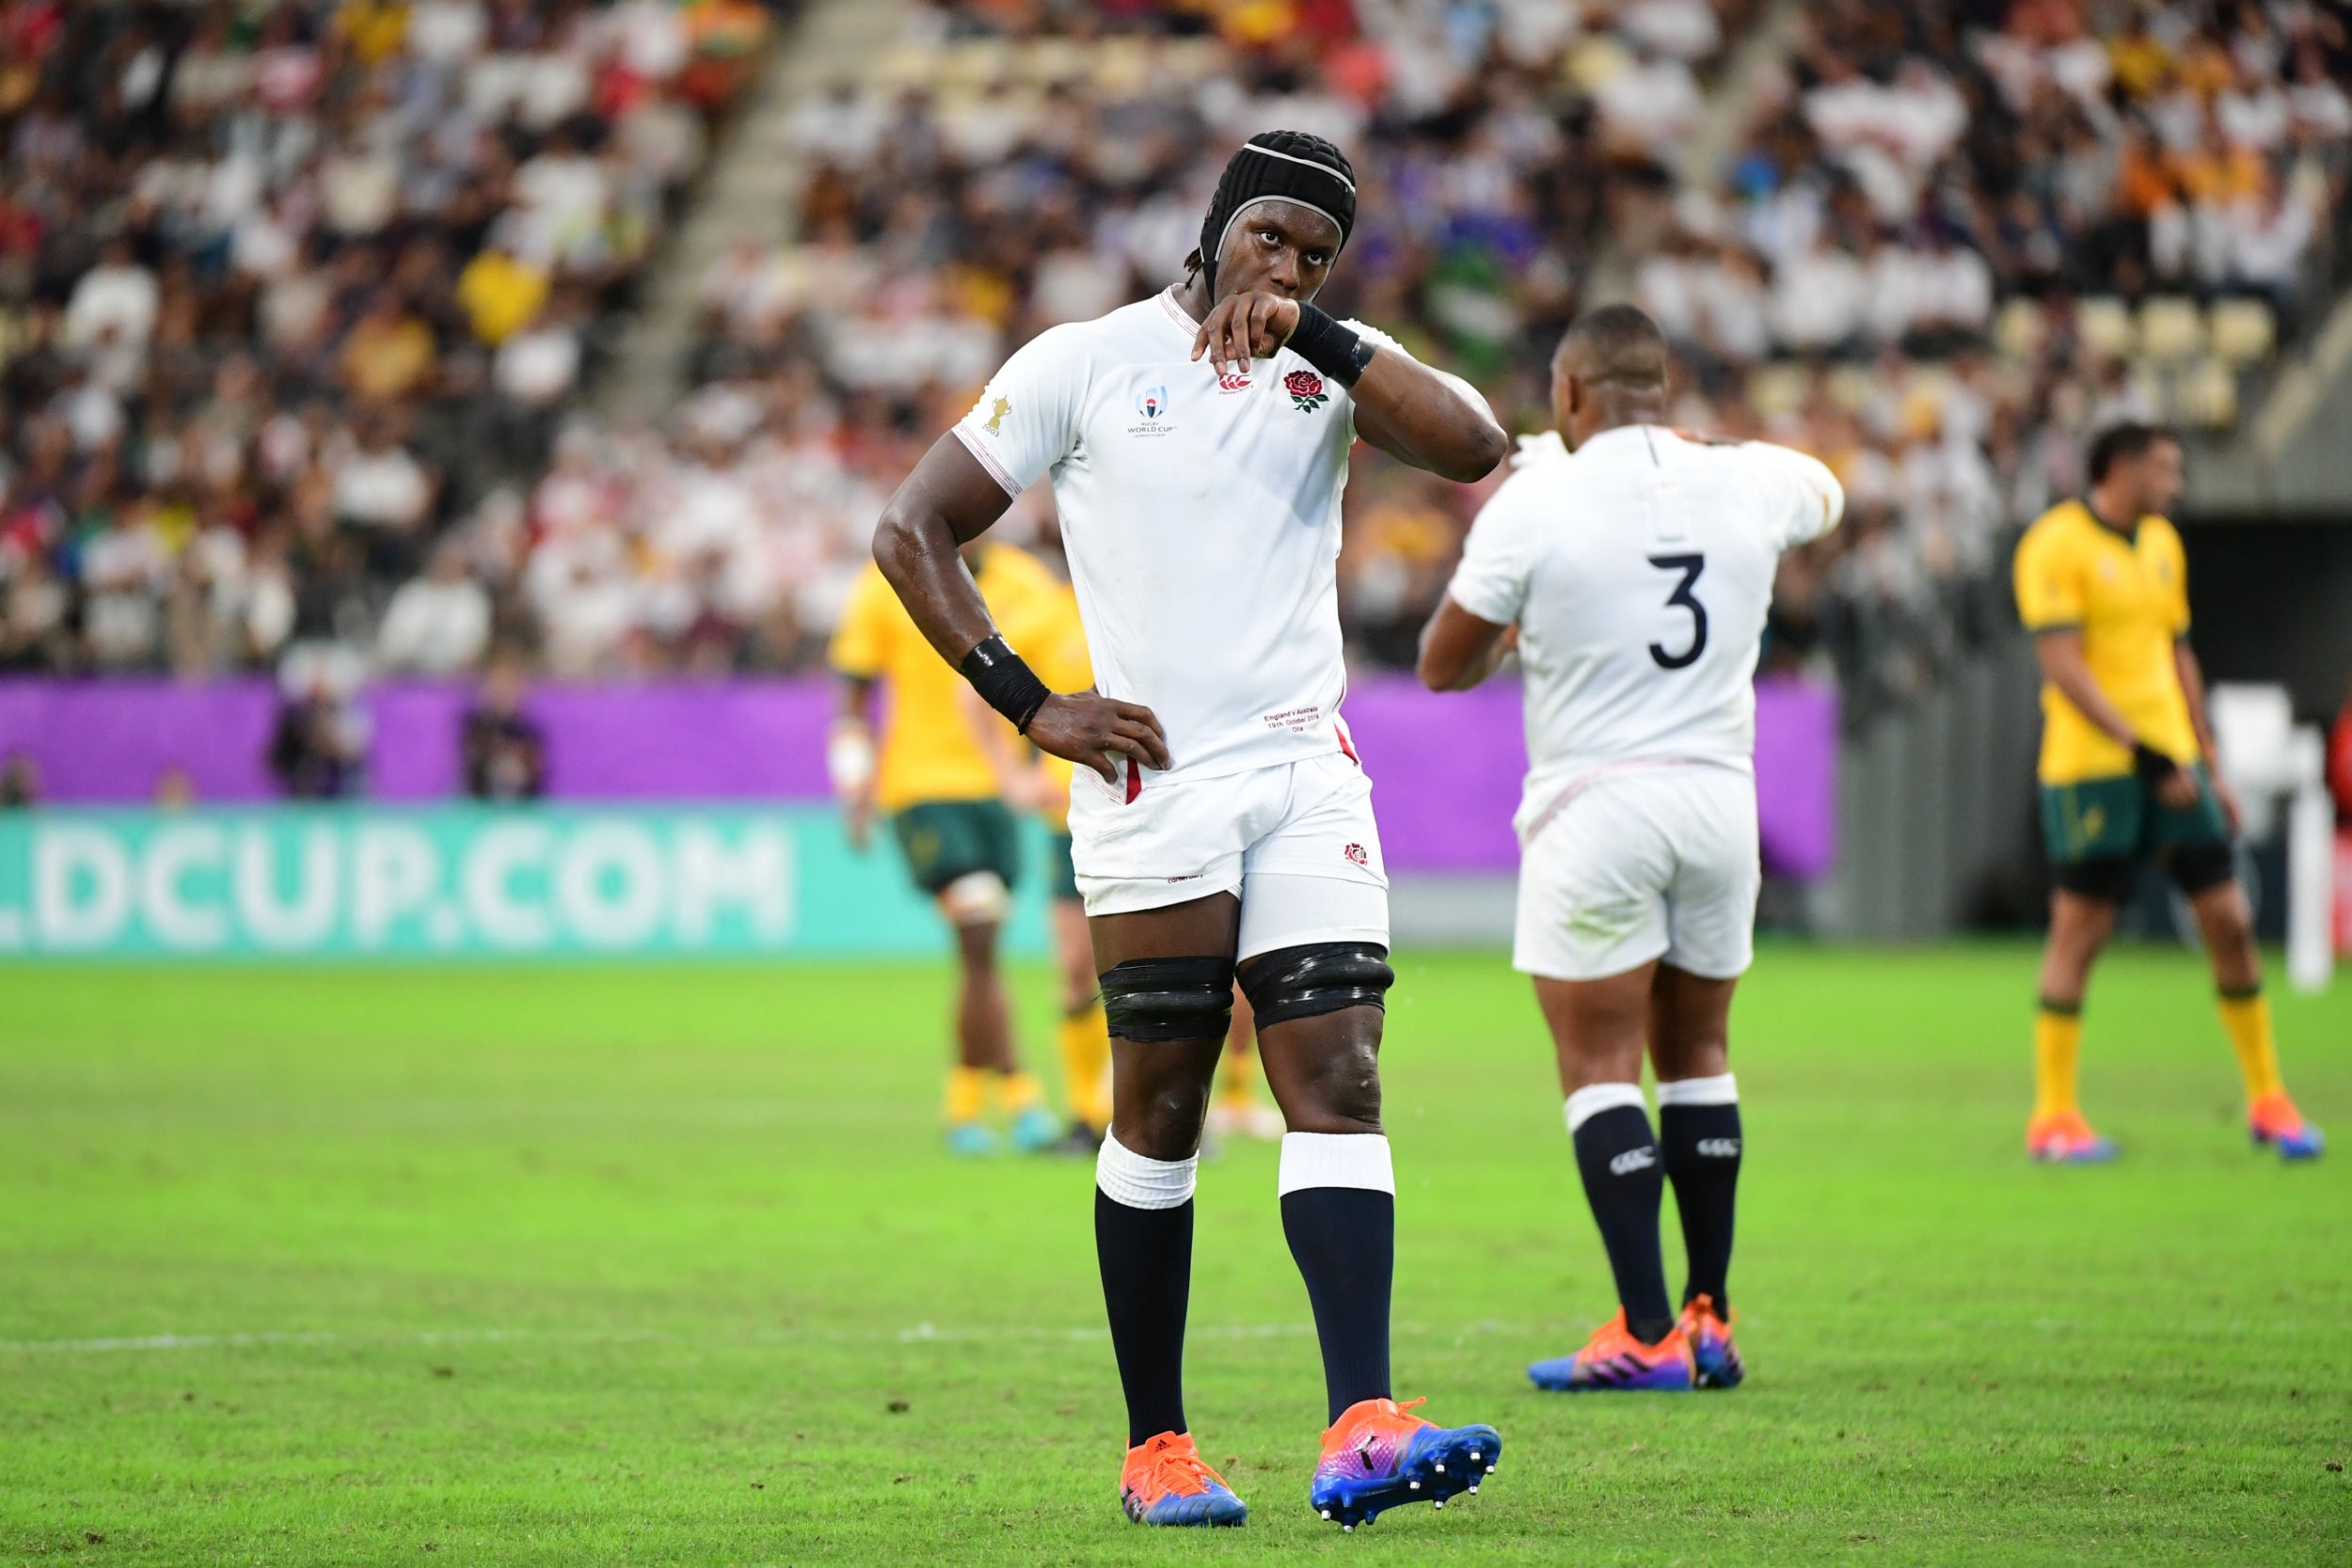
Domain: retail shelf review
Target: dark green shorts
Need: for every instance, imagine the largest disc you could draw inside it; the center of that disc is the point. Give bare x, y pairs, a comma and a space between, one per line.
2098, 831
943, 840
1062, 872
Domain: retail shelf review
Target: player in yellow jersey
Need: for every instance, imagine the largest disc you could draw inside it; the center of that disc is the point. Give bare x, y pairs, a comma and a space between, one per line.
941, 795
1037, 781
2102, 585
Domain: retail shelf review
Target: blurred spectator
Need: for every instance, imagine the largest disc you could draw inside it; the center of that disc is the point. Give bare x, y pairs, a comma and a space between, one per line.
20, 780
438, 623
503, 747
318, 748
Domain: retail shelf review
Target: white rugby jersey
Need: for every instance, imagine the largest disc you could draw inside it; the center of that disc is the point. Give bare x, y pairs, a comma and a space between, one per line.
1200, 516
1639, 571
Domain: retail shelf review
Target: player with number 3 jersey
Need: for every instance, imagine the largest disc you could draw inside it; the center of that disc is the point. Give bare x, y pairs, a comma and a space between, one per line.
1631, 565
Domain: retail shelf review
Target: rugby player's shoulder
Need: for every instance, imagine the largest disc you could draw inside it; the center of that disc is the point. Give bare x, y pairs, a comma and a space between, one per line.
1115, 336
1539, 449
1070, 340
2064, 518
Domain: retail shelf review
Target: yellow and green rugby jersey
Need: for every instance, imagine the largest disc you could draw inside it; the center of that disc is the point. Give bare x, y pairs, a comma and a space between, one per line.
928, 751
2127, 594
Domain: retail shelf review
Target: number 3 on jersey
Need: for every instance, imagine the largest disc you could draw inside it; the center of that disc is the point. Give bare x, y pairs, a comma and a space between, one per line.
1689, 566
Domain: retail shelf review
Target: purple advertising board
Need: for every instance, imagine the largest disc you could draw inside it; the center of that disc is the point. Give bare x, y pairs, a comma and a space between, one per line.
1447, 767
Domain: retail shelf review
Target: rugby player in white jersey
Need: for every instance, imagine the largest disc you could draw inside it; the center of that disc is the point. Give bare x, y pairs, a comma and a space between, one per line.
1631, 565
1198, 443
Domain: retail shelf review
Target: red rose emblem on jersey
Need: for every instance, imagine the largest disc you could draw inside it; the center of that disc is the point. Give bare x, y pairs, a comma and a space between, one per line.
1306, 391
1355, 852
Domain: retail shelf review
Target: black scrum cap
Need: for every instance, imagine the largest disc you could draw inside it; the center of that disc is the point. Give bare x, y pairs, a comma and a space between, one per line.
1280, 166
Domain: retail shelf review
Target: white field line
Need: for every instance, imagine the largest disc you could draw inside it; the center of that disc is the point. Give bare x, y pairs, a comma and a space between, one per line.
919, 1334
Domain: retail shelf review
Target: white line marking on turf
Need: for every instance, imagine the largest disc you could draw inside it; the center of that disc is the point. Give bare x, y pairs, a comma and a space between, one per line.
920, 1333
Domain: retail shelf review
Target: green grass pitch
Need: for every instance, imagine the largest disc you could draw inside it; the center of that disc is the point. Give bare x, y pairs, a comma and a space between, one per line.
638, 1266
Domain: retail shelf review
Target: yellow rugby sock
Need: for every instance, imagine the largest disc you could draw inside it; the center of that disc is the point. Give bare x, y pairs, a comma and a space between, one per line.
1085, 1038
2058, 1046
967, 1094
1017, 1091
2246, 1016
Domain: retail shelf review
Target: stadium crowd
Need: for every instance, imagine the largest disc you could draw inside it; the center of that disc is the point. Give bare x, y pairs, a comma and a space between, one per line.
279, 370
1961, 237
286, 285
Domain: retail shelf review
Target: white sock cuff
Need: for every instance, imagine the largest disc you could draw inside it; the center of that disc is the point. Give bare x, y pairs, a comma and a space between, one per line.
1722, 1090
1129, 1179
1336, 1160
1592, 1099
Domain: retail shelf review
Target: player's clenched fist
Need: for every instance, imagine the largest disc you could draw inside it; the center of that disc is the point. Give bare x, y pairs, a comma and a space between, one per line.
1098, 732
1245, 326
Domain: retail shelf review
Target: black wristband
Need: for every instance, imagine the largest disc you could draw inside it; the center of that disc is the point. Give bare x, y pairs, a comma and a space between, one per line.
1328, 347
2150, 764
1005, 681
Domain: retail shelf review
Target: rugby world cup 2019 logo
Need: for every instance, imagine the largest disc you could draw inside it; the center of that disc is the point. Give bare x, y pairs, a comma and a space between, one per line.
1306, 391
1152, 402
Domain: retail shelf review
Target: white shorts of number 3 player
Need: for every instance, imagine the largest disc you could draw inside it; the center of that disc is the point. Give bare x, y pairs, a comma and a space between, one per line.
1296, 842
1640, 860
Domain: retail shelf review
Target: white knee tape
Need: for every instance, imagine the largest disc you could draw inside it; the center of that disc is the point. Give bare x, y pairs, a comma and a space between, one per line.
1127, 1177
1335, 1159
1592, 1099
1722, 1090
975, 899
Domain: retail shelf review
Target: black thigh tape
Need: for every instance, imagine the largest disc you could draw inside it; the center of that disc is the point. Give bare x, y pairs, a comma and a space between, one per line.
1319, 977
1170, 999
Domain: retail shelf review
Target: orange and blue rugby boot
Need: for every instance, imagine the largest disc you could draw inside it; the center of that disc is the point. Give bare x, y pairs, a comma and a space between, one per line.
1376, 1455
1614, 1359
2273, 1121
1165, 1481
1713, 1357
2063, 1138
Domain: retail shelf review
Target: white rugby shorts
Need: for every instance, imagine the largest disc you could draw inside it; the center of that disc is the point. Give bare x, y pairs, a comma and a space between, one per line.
1294, 841
1639, 861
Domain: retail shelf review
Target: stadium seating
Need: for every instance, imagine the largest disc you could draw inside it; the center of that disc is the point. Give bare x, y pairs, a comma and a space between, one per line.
285, 287
1944, 241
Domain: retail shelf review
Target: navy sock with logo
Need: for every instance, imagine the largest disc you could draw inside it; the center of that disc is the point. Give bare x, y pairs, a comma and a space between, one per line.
1698, 1129
1625, 1182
